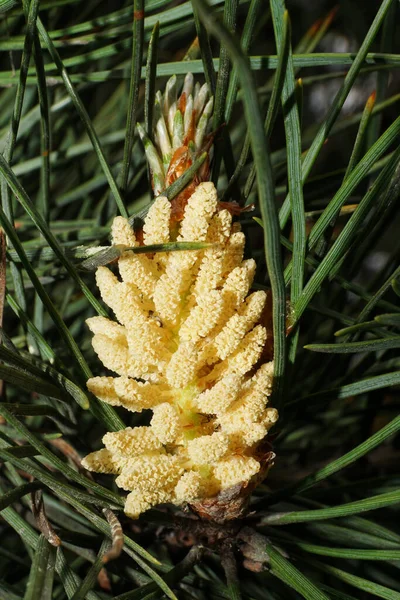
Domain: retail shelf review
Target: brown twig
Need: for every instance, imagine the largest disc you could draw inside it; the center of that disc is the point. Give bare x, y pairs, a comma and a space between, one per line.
253, 549
104, 580
69, 452
41, 519
224, 537
194, 555
117, 536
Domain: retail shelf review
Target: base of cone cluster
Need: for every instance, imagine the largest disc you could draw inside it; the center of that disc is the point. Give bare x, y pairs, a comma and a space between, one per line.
233, 502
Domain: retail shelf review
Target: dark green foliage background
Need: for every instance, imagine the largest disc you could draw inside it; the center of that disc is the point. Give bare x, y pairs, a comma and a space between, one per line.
68, 79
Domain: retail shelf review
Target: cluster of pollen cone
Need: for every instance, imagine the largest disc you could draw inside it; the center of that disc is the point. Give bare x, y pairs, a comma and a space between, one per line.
187, 344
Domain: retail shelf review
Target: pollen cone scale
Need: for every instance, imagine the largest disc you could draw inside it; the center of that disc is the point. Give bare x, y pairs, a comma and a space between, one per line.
186, 344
